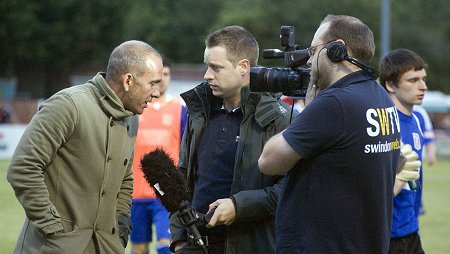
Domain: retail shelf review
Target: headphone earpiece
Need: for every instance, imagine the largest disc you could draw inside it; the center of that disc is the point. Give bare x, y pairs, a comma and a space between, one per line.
337, 52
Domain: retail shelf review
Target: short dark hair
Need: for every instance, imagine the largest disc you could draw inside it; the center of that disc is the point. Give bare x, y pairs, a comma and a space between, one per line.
238, 41
129, 56
396, 63
357, 36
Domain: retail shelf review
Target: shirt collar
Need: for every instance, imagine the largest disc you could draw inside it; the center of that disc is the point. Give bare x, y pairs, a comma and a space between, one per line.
232, 111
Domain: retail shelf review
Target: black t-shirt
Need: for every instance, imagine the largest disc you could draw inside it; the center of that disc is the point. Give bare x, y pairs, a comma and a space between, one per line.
338, 198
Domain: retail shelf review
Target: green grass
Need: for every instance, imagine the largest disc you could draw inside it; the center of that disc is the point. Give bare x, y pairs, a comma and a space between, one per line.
12, 215
434, 225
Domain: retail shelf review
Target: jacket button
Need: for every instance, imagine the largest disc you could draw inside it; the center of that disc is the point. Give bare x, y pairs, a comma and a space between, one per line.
109, 158
54, 212
111, 123
113, 231
125, 162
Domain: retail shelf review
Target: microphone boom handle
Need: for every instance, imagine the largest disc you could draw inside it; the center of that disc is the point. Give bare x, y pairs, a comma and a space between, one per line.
189, 217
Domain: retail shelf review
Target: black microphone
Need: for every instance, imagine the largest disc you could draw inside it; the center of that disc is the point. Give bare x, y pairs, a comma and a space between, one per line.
171, 188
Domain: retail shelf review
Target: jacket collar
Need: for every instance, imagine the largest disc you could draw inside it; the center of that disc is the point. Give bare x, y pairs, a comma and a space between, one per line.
200, 99
108, 100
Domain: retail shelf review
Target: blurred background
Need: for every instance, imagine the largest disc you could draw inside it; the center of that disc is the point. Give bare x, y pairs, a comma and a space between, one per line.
46, 45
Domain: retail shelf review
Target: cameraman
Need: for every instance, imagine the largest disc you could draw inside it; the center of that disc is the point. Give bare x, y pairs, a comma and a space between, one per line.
227, 127
340, 154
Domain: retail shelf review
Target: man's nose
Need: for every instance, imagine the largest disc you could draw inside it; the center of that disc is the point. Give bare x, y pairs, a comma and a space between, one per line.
156, 93
208, 75
423, 85
308, 63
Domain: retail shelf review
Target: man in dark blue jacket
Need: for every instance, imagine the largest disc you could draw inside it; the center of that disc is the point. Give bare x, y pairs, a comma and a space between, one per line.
224, 137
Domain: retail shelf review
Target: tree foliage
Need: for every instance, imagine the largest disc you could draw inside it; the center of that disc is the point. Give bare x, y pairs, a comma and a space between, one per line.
45, 41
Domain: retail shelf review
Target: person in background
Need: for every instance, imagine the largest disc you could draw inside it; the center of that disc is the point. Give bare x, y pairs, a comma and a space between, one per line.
7, 114
428, 134
71, 170
340, 155
161, 125
403, 75
430, 151
224, 137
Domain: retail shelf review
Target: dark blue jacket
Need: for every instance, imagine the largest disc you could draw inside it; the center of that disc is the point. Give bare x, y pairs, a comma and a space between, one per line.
256, 194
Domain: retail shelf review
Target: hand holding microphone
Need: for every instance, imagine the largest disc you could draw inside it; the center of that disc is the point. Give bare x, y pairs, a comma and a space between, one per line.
171, 188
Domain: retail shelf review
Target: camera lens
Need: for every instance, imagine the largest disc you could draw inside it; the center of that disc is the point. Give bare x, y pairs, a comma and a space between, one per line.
292, 82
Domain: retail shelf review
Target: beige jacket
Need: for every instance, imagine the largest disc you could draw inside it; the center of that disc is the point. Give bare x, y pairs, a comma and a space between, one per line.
71, 171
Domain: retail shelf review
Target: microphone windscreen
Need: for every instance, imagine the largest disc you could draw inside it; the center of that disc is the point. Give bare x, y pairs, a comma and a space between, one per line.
162, 174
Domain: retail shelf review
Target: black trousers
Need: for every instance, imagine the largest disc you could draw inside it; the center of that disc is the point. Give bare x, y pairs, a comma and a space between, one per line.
409, 244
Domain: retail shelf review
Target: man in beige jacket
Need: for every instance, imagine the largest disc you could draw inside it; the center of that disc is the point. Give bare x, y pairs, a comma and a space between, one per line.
71, 170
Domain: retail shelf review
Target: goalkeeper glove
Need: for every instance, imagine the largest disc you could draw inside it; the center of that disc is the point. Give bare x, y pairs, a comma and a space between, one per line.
410, 170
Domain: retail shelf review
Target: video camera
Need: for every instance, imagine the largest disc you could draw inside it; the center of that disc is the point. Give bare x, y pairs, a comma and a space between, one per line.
292, 81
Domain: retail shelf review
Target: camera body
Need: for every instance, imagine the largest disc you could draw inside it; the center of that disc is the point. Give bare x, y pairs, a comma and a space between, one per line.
291, 81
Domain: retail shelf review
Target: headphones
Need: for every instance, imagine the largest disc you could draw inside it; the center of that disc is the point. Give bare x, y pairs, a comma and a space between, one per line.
337, 52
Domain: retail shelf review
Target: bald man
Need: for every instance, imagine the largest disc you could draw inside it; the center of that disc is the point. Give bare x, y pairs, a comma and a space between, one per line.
71, 170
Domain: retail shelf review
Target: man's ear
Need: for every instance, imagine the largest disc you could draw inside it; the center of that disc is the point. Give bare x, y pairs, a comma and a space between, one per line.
390, 86
127, 81
243, 66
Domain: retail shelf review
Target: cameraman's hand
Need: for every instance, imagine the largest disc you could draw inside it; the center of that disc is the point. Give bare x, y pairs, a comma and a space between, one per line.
224, 214
410, 170
310, 93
